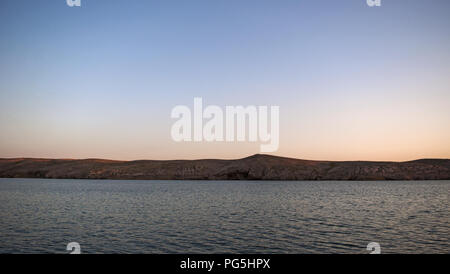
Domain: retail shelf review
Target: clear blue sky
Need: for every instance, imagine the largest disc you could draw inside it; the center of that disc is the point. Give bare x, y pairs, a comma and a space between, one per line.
352, 82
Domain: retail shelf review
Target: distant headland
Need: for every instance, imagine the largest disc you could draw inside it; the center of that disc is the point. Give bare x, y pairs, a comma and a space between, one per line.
256, 167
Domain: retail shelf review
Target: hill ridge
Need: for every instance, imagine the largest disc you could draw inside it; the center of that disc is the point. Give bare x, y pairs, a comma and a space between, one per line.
254, 167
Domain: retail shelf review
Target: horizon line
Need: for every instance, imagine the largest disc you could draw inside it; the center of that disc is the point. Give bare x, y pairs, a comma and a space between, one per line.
219, 159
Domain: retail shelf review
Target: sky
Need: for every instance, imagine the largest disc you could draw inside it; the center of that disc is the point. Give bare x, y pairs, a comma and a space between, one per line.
353, 82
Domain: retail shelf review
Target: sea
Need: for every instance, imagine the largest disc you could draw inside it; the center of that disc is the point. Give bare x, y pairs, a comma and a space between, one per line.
224, 217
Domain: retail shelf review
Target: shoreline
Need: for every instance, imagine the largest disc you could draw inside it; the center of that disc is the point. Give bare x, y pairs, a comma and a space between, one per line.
254, 168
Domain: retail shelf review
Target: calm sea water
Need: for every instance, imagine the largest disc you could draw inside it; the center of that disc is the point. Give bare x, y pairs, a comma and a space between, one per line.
43, 216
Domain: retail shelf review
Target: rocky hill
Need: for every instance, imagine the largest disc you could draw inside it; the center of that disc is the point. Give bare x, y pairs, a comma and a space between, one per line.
257, 167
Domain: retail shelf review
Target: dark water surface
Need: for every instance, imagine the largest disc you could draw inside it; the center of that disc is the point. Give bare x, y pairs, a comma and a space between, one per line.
43, 216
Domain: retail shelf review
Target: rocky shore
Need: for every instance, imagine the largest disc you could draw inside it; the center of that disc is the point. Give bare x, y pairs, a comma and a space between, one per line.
256, 167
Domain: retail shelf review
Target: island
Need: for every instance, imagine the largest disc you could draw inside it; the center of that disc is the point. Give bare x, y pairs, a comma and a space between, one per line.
256, 167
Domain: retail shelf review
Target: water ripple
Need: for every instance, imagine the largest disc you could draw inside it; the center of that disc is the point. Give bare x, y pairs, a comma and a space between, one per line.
42, 216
